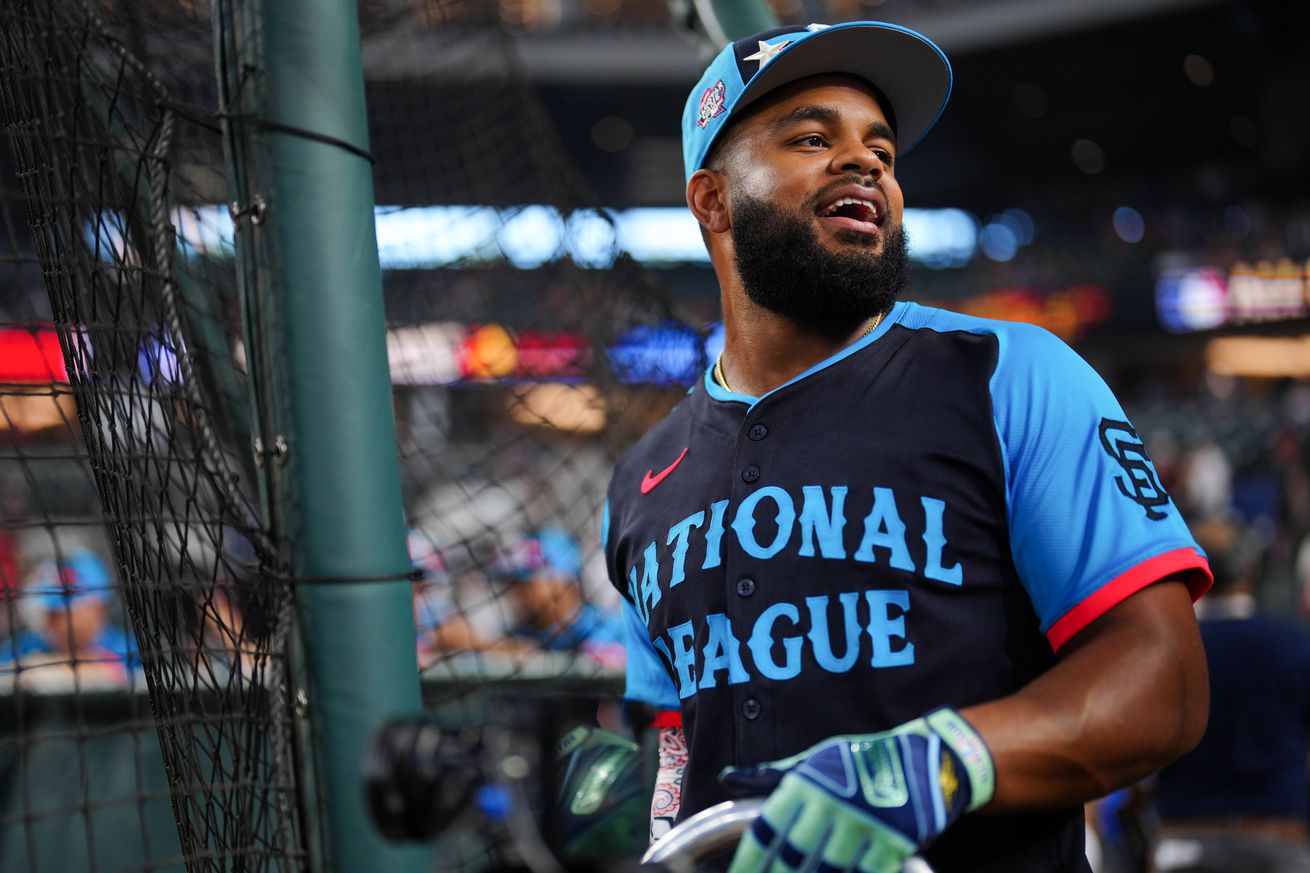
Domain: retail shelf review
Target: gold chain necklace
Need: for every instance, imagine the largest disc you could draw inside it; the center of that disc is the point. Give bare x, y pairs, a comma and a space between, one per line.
723, 380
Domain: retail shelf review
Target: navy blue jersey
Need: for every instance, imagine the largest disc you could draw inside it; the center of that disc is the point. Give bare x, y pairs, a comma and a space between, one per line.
920, 520
1252, 758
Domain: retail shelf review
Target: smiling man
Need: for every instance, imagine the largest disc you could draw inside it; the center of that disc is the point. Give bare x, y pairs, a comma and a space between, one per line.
909, 573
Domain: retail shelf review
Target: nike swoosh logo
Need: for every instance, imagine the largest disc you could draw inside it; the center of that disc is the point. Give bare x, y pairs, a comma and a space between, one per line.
651, 479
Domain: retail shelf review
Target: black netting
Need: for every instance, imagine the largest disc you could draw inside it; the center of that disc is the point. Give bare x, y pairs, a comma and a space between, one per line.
145, 622
135, 557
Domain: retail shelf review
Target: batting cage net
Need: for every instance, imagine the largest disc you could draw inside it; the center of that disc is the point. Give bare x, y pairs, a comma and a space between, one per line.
146, 717
135, 558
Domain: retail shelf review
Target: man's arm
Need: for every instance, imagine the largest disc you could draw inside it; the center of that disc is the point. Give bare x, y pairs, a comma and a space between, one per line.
1129, 694
666, 801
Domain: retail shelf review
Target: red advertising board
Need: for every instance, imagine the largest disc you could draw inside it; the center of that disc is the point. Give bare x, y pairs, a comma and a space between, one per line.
31, 355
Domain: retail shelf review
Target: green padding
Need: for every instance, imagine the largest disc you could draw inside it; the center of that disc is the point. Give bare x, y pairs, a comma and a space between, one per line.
338, 491
72, 801
740, 18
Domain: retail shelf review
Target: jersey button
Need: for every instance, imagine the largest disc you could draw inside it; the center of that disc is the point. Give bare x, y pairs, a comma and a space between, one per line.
758, 432
751, 473
745, 586
750, 707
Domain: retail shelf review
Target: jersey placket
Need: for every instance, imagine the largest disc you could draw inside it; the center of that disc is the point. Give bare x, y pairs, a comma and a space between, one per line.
748, 581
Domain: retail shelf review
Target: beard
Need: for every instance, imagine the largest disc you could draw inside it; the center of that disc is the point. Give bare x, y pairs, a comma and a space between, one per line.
785, 269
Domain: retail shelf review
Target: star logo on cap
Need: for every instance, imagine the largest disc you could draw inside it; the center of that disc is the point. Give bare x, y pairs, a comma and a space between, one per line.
767, 52
815, 28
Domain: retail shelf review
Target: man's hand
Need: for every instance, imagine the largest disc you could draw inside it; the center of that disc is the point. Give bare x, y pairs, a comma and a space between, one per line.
864, 802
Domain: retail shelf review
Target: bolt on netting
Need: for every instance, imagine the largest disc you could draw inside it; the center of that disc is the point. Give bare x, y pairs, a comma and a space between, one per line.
146, 717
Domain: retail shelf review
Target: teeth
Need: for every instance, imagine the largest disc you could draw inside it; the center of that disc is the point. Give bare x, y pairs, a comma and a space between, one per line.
851, 201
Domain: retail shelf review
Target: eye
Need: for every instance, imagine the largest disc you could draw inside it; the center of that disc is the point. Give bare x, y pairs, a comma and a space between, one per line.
811, 140
883, 155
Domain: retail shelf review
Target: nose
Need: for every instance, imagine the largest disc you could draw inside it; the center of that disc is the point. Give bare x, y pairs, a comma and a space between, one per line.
856, 157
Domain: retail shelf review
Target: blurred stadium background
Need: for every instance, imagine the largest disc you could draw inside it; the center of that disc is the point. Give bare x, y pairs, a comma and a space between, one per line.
1134, 176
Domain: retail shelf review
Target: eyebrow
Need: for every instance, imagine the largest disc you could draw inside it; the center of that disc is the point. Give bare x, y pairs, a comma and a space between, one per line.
826, 115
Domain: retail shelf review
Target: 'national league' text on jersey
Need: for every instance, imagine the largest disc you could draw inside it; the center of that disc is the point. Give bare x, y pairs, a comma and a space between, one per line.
921, 520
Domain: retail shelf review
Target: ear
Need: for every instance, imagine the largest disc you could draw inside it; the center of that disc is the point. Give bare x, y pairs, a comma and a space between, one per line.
707, 197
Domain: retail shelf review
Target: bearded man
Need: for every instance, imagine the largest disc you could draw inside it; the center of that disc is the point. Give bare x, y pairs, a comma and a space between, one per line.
909, 573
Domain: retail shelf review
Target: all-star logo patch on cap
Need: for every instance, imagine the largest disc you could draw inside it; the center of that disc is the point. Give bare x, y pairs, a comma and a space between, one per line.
906, 68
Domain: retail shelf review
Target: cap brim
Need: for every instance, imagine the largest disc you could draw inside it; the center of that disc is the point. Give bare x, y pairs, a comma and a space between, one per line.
910, 71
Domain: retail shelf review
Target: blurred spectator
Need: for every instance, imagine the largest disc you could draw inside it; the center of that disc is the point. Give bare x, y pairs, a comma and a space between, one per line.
1239, 802
542, 572
1120, 828
1301, 570
72, 645
205, 575
439, 624
12, 508
1206, 481
9, 583
1261, 428
224, 639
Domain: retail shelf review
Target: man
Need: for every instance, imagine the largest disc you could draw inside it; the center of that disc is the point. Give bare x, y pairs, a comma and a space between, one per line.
924, 554
1238, 802
440, 626
72, 645
543, 572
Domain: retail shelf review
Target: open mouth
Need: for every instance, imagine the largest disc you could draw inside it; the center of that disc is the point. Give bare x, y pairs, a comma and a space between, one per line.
863, 214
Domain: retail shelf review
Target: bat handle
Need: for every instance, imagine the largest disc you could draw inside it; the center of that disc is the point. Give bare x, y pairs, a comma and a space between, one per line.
715, 829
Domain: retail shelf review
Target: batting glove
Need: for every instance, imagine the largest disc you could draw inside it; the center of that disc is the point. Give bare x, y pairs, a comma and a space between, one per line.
865, 802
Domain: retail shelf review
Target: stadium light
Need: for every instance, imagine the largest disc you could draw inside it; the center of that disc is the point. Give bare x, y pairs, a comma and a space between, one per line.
531, 236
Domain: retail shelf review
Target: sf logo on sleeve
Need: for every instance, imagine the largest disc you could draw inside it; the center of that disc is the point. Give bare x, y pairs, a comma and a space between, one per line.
1139, 482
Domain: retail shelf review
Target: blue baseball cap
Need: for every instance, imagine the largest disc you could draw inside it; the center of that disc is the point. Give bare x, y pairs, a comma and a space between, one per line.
905, 67
81, 577
549, 549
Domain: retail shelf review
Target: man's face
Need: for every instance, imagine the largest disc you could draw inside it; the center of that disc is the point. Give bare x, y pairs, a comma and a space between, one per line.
545, 599
809, 145
77, 628
814, 206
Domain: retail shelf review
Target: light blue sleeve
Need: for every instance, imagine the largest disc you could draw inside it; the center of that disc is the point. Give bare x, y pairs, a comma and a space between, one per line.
1089, 521
647, 680
605, 529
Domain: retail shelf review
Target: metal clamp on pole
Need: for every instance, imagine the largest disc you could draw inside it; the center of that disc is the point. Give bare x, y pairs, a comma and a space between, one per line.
256, 209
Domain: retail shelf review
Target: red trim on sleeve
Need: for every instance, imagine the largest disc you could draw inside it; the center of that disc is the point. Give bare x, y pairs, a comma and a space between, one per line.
667, 718
1117, 590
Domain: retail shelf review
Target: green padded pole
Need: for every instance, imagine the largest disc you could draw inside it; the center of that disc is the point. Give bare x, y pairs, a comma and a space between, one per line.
727, 20
337, 487
740, 18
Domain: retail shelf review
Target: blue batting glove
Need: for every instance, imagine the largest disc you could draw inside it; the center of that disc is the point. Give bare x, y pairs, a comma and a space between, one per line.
866, 802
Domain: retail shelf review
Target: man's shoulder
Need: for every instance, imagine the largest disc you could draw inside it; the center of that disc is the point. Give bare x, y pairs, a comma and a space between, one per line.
669, 433
917, 316
1019, 350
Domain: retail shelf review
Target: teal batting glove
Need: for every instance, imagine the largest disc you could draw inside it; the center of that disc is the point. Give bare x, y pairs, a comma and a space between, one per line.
865, 802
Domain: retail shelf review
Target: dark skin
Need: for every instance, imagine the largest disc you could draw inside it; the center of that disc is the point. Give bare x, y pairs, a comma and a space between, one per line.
1130, 692
776, 153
